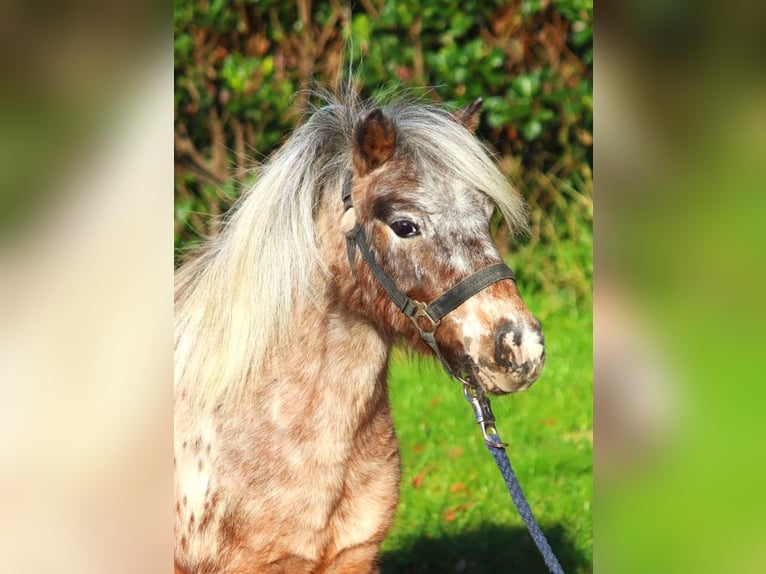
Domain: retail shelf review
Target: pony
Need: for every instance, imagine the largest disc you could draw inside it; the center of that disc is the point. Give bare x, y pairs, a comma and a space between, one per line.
285, 456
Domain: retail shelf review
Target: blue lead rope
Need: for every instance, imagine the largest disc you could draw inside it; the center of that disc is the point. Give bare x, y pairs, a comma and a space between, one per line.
517, 495
482, 411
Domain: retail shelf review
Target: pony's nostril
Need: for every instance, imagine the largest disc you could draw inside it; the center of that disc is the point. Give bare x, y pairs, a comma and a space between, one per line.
507, 336
526, 368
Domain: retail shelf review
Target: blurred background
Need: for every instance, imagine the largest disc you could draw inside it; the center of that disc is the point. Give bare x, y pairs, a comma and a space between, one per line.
680, 95
86, 287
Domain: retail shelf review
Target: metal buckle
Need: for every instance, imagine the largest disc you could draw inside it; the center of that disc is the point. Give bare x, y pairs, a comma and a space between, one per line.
421, 311
482, 411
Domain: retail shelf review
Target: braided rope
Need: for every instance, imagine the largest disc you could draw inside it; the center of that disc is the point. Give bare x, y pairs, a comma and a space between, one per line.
517, 495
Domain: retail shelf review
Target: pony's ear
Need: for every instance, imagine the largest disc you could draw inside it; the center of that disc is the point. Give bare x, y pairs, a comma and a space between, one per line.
469, 115
374, 142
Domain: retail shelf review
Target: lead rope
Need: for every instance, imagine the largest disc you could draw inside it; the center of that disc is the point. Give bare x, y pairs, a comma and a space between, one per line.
486, 420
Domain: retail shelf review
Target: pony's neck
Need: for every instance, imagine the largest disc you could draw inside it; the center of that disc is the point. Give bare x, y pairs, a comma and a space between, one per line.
328, 376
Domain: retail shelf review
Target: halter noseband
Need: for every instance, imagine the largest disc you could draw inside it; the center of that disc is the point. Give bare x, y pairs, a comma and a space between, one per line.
437, 309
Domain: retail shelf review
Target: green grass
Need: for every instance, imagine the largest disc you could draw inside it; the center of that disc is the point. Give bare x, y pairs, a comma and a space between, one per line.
455, 514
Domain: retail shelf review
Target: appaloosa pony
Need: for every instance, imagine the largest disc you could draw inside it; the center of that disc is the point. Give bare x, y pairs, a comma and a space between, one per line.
286, 459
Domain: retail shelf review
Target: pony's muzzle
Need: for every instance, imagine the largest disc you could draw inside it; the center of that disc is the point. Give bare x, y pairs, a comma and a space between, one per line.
519, 356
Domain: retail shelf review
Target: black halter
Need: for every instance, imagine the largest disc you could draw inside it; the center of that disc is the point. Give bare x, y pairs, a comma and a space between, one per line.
437, 309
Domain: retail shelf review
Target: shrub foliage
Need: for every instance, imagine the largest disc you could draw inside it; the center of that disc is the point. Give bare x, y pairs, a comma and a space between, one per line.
240, 66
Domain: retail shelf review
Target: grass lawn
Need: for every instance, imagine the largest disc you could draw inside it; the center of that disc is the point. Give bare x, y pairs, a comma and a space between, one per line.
455, 514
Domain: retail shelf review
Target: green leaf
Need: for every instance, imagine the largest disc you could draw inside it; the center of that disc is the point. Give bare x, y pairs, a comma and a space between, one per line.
532, 130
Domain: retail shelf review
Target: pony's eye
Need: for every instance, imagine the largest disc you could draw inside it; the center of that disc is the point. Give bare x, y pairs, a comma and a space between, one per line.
404, 228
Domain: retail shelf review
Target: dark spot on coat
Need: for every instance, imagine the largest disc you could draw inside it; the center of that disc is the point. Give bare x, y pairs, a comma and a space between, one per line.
386, 205
503, 352
207, 518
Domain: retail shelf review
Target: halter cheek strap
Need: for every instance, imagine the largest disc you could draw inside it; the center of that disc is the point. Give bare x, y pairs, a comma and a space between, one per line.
418, 311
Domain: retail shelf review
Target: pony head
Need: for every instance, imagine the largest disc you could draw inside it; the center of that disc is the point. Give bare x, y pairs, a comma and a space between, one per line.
424, 191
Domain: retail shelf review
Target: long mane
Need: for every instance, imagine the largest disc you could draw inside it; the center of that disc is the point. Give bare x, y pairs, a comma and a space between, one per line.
233, 298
